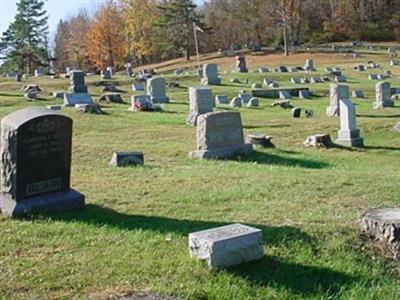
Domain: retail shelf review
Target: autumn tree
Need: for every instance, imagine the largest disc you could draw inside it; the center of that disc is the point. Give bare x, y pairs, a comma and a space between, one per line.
105, 39
139, 18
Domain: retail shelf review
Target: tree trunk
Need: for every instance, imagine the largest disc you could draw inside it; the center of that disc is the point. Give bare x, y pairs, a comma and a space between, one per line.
285, 40
382, 224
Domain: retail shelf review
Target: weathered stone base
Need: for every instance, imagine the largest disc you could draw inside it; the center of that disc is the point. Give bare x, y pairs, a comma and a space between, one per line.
353, 142
222, 152
55, 202
70, 99
160, 100
379, 105
210, 81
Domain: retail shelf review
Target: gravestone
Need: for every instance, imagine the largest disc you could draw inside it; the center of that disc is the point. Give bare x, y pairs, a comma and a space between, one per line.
123, 159
111, 98
236, 102
304, 94
260, 140
227, 245
337, 92
110, 69
318, 140
221, 99
141, 103
40, 72
220, 135
357, 94
295, 80
105, 74
296, 112
383, 95
245, 97
156, 90
137, 86
253, 102
284, 95
36, 163
210, 75
18, 77
263, 70
309, 65
394, 62
77, 84
77, 90
241, 64
201, 102
373, 77
348, 135
340, 78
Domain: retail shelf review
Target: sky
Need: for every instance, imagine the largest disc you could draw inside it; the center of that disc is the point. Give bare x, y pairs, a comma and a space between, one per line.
56, 9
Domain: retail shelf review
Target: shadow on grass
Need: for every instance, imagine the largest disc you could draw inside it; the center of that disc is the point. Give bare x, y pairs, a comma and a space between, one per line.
273, 159
102, 216
378, 116
296, 278
267, 272
382, 148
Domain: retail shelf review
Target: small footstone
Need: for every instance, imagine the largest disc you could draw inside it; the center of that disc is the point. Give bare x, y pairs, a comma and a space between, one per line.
261, 140
54, 107
227, 245
111, 98
318, 141
296, 112
121, 159
91, 108
283, 104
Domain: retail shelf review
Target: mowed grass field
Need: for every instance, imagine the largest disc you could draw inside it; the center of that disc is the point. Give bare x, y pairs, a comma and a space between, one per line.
133, 235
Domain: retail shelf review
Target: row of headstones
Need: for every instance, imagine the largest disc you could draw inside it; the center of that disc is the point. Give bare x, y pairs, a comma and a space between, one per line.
78, 91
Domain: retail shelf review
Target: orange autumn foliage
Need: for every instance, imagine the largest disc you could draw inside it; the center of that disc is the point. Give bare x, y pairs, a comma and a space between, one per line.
105, 39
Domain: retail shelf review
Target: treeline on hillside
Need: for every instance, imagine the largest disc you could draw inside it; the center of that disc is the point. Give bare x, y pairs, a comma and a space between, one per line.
144, 31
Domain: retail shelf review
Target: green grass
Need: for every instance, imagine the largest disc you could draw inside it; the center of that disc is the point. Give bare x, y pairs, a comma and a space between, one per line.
132, 236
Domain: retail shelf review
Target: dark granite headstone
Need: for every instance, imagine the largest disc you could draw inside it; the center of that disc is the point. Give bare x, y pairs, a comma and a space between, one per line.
36, 163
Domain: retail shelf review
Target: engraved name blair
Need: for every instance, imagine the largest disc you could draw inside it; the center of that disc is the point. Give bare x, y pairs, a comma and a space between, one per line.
43, 186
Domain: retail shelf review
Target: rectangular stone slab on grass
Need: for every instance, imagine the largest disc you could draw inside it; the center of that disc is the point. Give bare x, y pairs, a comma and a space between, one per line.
122, 159
227, 245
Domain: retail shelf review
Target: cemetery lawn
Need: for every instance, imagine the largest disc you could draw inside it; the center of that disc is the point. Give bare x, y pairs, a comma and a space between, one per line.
133, 235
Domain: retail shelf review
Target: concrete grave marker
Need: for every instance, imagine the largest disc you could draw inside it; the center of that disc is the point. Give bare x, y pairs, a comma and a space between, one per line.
36, 163
156, 90
210, 75
78, 92
227, 245
383, 95
241, 64
220, 135
348, 135
221, 99
201, 101
337, 92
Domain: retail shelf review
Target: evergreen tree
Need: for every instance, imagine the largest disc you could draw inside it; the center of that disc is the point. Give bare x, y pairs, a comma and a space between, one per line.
24, 44
176, 25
